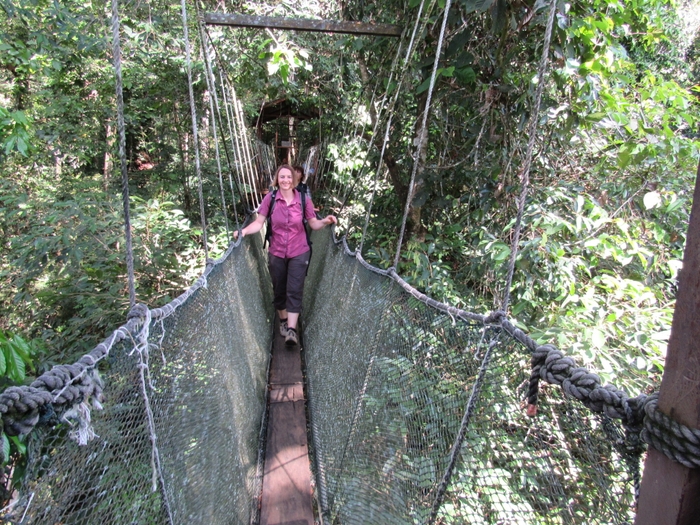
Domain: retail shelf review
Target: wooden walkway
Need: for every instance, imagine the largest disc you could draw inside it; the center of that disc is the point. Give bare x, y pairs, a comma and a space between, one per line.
286, 492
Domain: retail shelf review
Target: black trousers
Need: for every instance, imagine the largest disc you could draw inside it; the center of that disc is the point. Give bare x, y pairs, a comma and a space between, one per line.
288, 275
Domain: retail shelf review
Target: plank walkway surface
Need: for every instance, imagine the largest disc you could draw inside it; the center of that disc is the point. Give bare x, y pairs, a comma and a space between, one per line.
286, 492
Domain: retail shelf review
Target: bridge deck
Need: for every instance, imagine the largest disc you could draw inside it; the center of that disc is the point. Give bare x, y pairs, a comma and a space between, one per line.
286, 493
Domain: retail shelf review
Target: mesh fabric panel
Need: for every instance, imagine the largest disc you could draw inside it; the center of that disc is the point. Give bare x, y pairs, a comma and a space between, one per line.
389, 380
207, 393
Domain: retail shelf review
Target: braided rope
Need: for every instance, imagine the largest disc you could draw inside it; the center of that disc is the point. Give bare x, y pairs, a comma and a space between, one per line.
116, 51
22, 407
639, 415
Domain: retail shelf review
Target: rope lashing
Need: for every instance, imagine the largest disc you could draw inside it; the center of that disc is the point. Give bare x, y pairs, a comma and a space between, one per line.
675, 441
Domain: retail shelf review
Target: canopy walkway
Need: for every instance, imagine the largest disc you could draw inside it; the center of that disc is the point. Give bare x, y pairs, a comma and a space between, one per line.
416, 412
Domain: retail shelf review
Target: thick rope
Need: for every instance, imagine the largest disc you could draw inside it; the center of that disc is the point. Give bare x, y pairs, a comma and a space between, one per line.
195, 134
116, 51
422, 133
532, 130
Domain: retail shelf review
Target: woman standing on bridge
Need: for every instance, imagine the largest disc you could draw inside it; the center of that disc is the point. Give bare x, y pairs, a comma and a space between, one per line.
289, 250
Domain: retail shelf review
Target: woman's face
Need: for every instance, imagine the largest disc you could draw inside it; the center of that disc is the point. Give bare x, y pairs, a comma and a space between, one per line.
285, 180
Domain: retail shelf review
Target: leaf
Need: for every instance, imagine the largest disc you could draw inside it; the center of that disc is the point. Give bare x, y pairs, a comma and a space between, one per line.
424, 86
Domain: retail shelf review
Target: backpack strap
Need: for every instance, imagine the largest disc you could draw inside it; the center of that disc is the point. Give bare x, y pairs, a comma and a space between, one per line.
268, 231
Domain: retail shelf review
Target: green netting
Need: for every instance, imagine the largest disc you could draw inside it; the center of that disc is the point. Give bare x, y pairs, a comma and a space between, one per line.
206, 388
389, 381
395, 385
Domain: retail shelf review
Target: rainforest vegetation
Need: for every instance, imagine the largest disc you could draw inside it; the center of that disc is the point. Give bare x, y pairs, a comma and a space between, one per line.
604, 224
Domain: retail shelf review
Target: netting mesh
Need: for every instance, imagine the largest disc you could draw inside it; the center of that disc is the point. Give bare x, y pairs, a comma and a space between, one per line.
206, 388
389, 380
394, 386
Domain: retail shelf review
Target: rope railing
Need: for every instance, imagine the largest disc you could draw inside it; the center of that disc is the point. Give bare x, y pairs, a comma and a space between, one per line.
65, 387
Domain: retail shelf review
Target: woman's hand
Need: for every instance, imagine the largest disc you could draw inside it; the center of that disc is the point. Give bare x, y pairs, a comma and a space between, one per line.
330, 219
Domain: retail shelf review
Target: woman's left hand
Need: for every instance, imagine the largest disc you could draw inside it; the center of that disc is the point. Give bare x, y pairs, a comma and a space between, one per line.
330, 219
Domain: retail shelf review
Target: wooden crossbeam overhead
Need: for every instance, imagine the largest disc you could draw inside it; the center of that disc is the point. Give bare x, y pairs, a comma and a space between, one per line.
301, 24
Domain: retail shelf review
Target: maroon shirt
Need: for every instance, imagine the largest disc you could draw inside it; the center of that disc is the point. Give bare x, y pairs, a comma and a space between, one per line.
288, 237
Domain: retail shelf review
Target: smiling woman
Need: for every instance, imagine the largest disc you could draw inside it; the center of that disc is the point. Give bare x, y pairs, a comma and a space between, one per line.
289, 251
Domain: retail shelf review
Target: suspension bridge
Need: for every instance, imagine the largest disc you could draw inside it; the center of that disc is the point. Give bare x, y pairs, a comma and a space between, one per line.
418, 412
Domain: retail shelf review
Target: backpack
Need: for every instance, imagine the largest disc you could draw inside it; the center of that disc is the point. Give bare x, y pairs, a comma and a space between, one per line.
303, 190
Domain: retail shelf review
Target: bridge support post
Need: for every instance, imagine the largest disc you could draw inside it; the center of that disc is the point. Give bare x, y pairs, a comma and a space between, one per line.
670, 492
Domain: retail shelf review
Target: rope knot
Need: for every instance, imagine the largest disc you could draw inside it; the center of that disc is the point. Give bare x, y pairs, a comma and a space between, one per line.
138, 311
495, 317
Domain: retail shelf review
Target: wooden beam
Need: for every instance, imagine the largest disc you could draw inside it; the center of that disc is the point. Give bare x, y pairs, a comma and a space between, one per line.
670, 492
301, 24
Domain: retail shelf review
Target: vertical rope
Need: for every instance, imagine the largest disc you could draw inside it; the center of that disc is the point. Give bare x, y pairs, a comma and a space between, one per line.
195, 135
532, 128
116, 51
390, 113
422, 133
212, 95
233, 136
466, 419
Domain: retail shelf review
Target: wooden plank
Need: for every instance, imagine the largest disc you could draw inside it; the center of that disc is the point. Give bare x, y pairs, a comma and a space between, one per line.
301, 24
286, 496
670, 492
286, 493
285, 367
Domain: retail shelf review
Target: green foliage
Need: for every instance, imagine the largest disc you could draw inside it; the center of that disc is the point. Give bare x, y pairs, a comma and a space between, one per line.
14, 132
16, 354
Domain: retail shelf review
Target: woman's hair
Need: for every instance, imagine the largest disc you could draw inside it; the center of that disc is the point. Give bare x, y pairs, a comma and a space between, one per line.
295, 178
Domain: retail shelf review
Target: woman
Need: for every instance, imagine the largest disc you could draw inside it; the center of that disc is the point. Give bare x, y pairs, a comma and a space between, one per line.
289, 250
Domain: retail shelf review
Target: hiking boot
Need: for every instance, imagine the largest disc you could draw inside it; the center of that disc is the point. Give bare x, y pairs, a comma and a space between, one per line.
283, 329
291, 338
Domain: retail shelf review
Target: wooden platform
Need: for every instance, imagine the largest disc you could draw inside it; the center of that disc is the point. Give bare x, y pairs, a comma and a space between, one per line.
286, 494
